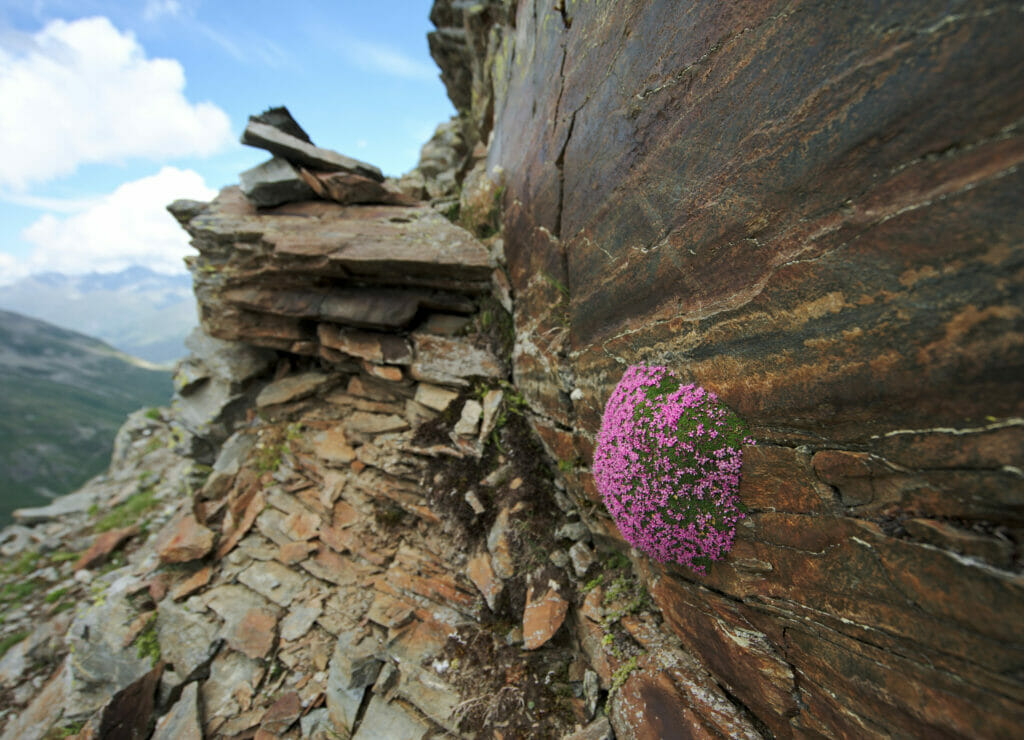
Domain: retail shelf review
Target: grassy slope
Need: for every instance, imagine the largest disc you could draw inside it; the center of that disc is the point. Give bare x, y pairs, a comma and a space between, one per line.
63, 396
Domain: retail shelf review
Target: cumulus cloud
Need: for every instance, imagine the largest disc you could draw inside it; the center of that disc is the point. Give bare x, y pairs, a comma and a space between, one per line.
129, 226
83, 92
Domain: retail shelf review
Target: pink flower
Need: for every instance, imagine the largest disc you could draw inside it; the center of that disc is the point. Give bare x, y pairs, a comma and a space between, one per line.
667, 464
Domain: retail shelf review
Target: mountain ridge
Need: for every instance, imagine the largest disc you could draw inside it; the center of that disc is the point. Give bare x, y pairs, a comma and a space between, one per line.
143, 313
63, 395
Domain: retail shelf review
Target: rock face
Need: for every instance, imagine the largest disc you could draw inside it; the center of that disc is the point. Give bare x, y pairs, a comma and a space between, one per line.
812, 214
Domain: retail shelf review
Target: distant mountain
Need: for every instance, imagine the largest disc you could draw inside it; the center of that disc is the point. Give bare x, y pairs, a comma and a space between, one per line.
63, 397
140, 312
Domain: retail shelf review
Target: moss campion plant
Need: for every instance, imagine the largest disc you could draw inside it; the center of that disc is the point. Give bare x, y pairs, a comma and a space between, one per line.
667, 464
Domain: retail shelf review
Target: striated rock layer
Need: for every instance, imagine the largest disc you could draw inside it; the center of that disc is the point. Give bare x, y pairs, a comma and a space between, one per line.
369, 511
813, 211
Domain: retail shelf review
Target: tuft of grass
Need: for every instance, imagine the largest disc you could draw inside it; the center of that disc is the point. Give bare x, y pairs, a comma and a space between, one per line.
55, 596
10, 641
146, 644
153, 413
15, 592
63, 556
59, 733
128, 511
25, 564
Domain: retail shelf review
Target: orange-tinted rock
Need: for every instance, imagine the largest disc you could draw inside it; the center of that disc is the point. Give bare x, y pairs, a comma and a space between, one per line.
301, 525
384, 372
282, 714
253, 634
103, 545
544, 613
192, 584
480, 572
375, 347
349, 188
332, 446
500, 545
184, 540
254, 508
294, 552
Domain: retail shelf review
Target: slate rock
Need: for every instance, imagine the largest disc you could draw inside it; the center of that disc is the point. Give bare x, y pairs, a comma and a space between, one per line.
599, 729
452, 360
234, 362
129, 713
469, 420
282, 714
281, 118
182, 721
185, 636
291, 388
274, 581
434, 397
104, 544
274, 182
355, 662
371, 346
480, 572
582, 558
183, 539
303, 153
100, 663
390, 719
348, 188
48, 705
78, 502
544, 613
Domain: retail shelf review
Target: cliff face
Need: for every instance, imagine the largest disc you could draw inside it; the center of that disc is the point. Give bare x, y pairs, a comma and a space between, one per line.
812, 211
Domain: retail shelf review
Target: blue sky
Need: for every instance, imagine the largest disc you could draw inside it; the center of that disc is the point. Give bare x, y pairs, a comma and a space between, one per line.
113, 109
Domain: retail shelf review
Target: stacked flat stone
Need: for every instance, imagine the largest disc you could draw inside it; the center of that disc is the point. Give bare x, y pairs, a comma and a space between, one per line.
300, 170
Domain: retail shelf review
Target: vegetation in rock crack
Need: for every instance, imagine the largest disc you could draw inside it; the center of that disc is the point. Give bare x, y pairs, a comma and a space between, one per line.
6, 643
667, 465
128, 512
147, 645
623, 672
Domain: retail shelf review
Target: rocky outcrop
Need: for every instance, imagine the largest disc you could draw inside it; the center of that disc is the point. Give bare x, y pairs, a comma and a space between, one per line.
811, 214
343, 526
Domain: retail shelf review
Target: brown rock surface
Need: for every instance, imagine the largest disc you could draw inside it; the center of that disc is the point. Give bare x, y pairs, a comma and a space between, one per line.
545, 611
836, 255
103, 545
301, 151
183, 540
349, 189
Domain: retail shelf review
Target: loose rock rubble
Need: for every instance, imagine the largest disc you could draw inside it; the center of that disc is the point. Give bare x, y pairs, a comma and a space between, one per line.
343, 526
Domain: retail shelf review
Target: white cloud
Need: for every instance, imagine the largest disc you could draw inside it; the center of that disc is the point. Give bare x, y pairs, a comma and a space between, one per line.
44, 203
129, 226
157, 9
84, 92
382, 58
